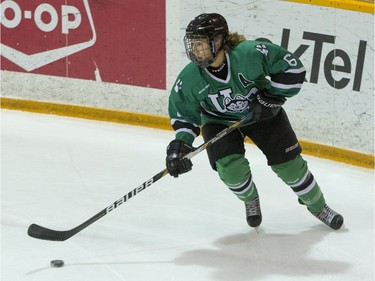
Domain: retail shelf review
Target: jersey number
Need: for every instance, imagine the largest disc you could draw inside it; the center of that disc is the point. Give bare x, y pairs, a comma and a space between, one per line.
291, 62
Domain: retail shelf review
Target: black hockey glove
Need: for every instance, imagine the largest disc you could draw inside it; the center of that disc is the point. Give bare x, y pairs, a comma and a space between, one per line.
175, 162
265, 106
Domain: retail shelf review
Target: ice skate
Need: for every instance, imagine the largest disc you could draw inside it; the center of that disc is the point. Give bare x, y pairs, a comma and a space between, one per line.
330, 217
253, 212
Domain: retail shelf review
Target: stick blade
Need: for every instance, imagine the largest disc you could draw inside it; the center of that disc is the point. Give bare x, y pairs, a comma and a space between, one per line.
40, 232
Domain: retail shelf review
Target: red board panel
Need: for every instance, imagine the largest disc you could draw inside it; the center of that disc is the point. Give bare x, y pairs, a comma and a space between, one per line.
122, 41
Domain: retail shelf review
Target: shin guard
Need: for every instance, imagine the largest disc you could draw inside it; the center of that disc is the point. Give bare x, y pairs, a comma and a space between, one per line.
234, 171
296, 174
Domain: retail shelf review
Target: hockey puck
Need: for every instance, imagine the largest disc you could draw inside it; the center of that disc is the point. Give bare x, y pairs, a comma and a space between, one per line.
57, 263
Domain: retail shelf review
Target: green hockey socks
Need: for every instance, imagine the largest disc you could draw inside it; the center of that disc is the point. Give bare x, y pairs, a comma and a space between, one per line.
296, 174
234, 171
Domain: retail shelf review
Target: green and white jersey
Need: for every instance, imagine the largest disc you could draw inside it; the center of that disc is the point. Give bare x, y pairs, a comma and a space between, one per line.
198, 97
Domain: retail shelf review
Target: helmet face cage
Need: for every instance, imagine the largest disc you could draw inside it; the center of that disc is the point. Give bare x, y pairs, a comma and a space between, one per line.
201, 50
211, 29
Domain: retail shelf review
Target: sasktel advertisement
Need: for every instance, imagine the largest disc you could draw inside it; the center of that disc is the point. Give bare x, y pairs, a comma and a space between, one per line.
108, 40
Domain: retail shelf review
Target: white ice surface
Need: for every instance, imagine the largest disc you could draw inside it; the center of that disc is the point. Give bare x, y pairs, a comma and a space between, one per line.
59, 171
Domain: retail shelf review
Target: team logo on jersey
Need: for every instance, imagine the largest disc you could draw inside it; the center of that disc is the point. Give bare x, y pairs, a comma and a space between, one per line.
262, 48
238, 104
245, 82
178, 86
226, 101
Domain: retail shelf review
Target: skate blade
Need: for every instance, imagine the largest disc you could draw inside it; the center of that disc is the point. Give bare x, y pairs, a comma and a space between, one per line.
258, 229
343, 228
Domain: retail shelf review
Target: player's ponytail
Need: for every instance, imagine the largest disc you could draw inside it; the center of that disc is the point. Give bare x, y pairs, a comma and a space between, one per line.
233, 39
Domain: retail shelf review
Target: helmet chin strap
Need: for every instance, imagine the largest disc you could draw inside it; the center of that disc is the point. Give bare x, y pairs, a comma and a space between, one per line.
215, 55
219, 59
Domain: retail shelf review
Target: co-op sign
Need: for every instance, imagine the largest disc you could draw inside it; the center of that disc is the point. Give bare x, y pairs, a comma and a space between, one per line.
37, 33
32, 18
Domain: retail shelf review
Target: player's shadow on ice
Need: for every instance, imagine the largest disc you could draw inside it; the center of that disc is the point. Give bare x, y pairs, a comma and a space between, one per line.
252, 256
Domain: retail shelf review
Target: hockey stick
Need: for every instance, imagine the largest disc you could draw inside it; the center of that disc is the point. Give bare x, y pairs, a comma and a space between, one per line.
44, 233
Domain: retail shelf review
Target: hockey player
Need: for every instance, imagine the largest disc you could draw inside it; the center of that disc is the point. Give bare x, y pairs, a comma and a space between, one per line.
227, 78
